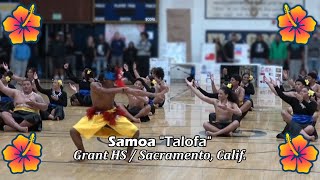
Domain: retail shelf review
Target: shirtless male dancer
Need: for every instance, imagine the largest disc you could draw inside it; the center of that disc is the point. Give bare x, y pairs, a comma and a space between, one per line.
105, 119
25, 116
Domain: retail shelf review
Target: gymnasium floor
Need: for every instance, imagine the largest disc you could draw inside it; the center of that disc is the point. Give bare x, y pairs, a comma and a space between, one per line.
183, 114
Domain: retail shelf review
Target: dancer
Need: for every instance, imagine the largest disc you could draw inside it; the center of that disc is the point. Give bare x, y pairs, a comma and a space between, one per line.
6, 103
303, 110
138, 108
25, 116
104, 118
226, 106
81, 98
248, 91
57, 98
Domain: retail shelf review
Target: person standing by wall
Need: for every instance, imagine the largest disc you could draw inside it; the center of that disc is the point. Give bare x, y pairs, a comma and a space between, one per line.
103, 53
130, 56
117, 50
57, 52
296, 59
278, 52
89, 53
21, 54
314, 53
259, 51
229, 48
69, 49
144, 47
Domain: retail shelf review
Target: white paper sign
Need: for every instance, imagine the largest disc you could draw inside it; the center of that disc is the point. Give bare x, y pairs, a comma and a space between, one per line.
241, 53
175, 52
208, 53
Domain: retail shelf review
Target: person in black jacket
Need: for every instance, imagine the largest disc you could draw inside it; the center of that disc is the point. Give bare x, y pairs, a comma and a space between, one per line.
248, 91
259, 52
81, 98
57, 97
303, 109
6, 103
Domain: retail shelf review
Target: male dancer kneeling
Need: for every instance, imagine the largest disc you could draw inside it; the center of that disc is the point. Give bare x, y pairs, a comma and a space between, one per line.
104, 119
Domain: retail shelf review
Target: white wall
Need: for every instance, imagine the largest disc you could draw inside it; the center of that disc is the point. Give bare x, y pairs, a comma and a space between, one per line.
199, 24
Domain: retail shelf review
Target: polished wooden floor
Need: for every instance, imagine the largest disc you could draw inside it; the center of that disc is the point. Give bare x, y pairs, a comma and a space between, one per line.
183, 114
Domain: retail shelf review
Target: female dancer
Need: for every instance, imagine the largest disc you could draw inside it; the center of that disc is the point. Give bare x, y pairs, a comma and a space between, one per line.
81, 98
303, 110
226, 107
57, 98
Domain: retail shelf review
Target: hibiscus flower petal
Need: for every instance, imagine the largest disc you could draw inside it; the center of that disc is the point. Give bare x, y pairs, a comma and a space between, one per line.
34, 21
289, 163
302, 36
30, 34
309, 153
283, 21
299, 142
21, 14
287, 34
21, 141
308, 24
10, 24
35, 150
285, 150
298, 14
303, 166
16, 165
10, 153
16, 37
31, 163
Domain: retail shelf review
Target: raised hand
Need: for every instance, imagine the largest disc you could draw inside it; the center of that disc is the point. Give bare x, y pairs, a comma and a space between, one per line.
189, 83
125, 67
134, 66
5, 66
66, 66
273, 82
266, 80
74, 88
212, 78
35, 75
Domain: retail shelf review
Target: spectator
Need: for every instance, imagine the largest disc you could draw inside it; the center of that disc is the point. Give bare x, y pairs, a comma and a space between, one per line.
57, 52
229, 48
144, 47
89, 53
219, 50
69, 49
225, 78
21, 54
259, 51
314, 53
295, 59
117, 50
278, 52
302, 73
130, 55
103, 53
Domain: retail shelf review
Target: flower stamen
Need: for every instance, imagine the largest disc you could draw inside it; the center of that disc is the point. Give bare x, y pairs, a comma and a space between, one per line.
290, 145
29, 16
31, 140
287, 11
